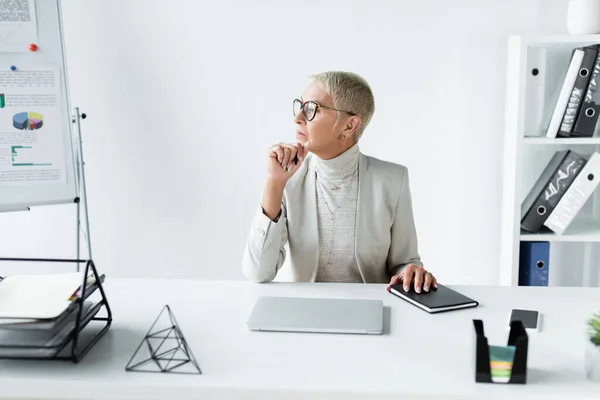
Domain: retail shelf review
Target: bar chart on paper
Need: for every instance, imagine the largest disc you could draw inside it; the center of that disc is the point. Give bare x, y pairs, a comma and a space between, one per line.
28, 121
25, 156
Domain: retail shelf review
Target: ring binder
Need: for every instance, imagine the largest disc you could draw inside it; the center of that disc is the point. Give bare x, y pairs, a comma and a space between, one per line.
69, 331
517, 339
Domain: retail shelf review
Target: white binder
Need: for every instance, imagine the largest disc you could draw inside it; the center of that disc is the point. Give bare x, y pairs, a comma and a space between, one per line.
565, 93
576, 196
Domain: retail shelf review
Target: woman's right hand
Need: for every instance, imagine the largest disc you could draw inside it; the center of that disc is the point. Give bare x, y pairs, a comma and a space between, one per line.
281, 165
280, 168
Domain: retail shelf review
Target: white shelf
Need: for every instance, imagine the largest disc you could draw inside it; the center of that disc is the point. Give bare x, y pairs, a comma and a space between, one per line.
561, 141
580, 231
549, 40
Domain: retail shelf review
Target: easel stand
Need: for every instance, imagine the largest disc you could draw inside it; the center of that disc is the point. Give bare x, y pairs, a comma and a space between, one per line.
71, 345
517, 338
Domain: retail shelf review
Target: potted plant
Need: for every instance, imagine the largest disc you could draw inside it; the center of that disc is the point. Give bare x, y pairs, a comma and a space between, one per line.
592, 353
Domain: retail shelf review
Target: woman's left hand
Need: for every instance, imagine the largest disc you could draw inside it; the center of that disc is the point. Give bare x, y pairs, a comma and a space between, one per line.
416, 275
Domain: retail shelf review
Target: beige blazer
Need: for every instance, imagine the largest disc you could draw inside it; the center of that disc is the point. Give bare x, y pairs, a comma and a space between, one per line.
385, 239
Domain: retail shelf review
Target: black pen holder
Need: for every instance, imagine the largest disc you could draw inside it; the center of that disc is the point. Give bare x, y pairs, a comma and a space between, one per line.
517, 337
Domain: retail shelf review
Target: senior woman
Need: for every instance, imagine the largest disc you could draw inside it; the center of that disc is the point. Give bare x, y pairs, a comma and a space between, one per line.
346, 216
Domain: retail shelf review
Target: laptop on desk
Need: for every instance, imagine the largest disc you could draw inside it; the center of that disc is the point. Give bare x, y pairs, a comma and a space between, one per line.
319, 315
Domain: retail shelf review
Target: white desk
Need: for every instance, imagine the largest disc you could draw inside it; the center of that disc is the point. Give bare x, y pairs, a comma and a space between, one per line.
420, 356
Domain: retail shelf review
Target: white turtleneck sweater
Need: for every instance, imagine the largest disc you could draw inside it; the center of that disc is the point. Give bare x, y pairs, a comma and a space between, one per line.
337, 194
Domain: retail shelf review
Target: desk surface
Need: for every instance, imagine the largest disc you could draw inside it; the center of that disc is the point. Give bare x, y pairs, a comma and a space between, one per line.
418, 356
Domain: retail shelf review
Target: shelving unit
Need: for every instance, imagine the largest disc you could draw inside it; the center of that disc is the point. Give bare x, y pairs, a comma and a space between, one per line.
533, 83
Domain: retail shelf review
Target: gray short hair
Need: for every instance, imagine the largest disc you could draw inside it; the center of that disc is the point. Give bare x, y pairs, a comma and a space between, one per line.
349, 92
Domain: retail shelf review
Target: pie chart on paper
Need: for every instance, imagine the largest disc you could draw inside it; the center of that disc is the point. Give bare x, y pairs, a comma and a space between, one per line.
28, 121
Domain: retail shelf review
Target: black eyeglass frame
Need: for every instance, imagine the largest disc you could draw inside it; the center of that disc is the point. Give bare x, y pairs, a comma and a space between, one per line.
317, 105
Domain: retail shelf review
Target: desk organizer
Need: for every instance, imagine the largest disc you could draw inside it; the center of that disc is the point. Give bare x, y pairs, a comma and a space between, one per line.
517, 346
59, 338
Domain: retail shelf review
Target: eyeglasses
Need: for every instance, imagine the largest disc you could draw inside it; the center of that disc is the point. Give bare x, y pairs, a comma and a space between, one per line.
309, 109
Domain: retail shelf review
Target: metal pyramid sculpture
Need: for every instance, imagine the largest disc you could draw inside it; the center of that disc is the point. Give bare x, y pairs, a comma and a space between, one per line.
164, 349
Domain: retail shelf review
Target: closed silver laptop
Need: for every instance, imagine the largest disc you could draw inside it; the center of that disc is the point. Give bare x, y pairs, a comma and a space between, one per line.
323, 315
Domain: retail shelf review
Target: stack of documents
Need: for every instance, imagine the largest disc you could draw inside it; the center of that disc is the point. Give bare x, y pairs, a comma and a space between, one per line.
38, 314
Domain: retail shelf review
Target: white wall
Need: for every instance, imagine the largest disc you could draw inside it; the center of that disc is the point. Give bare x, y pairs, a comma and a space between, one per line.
184, 97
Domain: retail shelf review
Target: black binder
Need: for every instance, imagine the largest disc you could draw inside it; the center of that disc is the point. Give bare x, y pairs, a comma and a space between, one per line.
549, 189
587, 118
579, 90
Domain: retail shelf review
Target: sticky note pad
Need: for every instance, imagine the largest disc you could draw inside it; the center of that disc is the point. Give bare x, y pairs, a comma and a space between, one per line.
501, 361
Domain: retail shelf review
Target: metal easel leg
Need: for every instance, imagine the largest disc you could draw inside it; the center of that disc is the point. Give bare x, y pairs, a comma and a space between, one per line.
78, 352
78, 225
82, 186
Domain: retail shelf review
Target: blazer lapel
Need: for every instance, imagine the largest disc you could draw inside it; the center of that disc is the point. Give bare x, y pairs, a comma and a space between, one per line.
310, 231
312, 222
364, 203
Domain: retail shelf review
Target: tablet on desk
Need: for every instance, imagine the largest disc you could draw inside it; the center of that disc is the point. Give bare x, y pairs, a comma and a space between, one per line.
436, 300
318, 315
